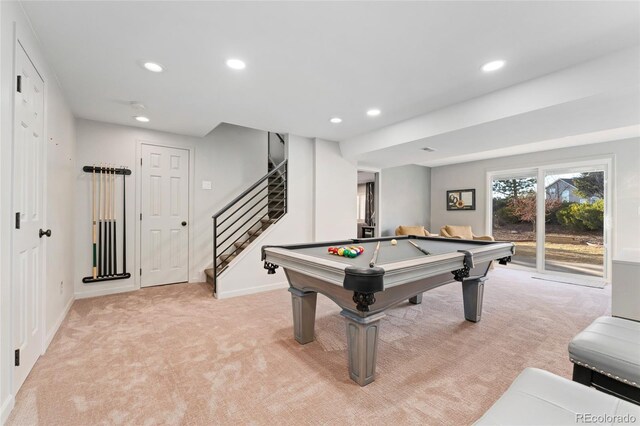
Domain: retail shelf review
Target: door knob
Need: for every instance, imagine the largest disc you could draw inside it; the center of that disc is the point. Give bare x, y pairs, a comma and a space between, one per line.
47, 233
184, 223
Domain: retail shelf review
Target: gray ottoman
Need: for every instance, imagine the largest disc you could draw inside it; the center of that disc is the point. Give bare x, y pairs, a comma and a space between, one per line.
606, 355
537, 397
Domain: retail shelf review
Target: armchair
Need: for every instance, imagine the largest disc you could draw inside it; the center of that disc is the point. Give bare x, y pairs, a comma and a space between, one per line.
462, 232
414, 230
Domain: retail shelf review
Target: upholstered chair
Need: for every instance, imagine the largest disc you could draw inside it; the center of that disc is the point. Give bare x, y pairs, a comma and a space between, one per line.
414, 230
462, 232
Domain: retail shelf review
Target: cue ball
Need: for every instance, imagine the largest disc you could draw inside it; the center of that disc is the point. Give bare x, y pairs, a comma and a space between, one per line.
394, 242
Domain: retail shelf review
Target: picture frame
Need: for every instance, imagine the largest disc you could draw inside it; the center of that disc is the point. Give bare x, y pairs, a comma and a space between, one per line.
461, 199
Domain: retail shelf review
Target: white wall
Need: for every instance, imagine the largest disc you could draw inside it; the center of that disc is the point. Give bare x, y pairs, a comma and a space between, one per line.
322, 206
626, 174
231, 157
60, 148
247, 274
335, 182
405, 198
61, 165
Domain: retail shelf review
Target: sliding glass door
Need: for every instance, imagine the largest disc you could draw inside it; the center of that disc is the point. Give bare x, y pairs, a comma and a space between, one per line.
557, 216
514, 211
574, 223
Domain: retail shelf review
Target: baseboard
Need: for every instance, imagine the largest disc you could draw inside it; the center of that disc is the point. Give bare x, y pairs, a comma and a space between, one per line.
57, 325
104, 291
252, 290
7, 406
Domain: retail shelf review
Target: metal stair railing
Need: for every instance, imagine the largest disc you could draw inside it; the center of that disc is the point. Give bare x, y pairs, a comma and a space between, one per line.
245, 212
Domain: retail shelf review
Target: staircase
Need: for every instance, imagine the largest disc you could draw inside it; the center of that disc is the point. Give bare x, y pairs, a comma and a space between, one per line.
238, 224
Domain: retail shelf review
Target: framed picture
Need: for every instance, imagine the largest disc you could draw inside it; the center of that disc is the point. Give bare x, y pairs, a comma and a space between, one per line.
461, 199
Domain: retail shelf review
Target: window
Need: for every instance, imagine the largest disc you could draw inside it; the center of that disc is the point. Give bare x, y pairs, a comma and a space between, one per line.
565, 196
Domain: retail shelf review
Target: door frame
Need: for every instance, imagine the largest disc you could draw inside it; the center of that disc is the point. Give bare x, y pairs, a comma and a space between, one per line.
378, 191
607, 162
191, 274
42, 288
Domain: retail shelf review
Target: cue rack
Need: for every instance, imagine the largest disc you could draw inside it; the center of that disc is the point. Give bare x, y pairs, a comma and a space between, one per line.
104, 226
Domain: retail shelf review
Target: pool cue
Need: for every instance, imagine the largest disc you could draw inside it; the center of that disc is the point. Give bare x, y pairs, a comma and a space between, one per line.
104, 223
124, 224
113, 215
419, 248
93, 215
109, 196
374, 259
100, 207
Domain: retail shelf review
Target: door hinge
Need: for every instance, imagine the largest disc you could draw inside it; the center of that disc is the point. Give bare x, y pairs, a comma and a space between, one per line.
17, 358
17, 220
140, 271
141, 161
19, 84
140, 216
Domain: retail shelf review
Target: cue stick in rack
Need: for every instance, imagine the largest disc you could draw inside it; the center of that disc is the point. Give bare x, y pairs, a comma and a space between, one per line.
113, 215
374, 259
419, 248
109, 241
104, 221
93, 216
100, 204
124, 225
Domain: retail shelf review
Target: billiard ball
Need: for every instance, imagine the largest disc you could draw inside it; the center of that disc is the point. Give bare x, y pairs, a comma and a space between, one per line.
394, 242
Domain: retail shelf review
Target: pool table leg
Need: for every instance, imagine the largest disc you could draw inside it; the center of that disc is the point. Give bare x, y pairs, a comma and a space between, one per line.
304, 314
472, 292
362, 341
417, 299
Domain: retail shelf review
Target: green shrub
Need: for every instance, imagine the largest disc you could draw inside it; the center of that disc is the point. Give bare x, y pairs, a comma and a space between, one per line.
552, 213
502, 213
583, 217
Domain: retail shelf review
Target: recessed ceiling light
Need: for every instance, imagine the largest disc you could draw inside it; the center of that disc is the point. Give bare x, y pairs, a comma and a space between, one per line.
236, 64
373, 112
141, 119
336, 120
153, 67
493, 65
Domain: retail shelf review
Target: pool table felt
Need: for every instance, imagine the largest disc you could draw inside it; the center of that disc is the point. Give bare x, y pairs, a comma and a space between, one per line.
389, 253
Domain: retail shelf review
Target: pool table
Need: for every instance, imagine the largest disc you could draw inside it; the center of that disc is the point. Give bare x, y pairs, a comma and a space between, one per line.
364, 292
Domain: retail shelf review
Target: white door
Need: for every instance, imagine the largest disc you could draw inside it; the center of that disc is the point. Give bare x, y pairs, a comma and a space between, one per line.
165, 215
27, 250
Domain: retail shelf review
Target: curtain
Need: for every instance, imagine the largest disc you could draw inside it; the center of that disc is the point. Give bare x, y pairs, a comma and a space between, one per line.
369, 213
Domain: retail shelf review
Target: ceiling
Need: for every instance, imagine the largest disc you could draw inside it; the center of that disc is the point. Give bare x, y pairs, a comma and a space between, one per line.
310, 61
609, 116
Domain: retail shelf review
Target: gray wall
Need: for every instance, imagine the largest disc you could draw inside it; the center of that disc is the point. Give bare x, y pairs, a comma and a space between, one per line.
405, 197
626, 191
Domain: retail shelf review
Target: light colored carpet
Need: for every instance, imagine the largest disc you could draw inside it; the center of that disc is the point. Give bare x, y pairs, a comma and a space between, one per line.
174, 355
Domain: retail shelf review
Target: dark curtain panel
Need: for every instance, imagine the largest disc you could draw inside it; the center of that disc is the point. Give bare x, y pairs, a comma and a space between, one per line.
369, 211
